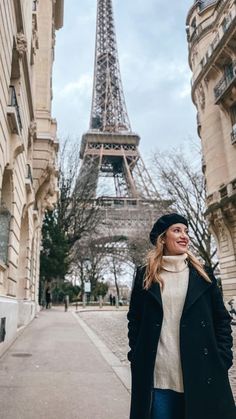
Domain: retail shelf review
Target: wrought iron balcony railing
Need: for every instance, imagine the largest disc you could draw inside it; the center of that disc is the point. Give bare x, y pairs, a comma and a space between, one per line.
233, 136
225, 82
13, 102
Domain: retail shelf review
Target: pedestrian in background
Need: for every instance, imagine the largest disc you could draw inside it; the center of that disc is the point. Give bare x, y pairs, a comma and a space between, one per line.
48, 296
179, 333
66, 302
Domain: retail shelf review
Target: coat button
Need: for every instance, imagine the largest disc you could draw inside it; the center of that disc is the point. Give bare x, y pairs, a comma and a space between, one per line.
157, 325
209, 380
183, 325
205, 351
203, 323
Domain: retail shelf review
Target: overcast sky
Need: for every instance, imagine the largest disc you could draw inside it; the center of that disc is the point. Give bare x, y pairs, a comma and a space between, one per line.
153, 56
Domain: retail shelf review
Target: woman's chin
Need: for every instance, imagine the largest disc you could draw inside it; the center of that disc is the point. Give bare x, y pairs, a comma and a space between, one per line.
181, 251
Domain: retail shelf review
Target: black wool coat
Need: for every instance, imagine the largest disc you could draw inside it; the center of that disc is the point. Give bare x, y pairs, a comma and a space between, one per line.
205, 348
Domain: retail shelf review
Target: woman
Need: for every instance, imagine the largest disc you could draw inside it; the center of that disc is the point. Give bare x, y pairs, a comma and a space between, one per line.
179, 333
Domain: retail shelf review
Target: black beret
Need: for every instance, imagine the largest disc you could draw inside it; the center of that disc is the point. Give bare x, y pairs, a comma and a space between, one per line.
163, 223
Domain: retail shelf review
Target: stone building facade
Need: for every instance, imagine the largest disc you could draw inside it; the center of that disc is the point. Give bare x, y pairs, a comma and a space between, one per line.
28, 149
211, 32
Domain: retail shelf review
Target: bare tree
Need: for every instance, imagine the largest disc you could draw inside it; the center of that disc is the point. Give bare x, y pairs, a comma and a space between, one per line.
117, 266
87, 259
78, 212
138, 247
181, 180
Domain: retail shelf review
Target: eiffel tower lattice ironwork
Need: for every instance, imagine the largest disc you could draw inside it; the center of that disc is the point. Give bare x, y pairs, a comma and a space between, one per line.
109, 149
110, 142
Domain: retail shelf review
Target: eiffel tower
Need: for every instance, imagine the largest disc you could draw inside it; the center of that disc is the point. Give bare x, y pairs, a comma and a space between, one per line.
109, 149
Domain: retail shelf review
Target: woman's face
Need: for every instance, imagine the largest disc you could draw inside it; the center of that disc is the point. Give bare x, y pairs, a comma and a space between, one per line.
176, 240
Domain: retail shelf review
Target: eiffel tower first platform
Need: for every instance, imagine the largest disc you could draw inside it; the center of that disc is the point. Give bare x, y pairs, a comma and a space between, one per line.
109, 149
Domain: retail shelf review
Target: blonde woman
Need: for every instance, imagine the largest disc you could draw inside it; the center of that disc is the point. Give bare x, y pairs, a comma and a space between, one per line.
179, 333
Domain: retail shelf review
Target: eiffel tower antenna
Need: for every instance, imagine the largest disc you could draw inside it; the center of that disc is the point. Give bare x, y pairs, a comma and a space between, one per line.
109, 149
109, 111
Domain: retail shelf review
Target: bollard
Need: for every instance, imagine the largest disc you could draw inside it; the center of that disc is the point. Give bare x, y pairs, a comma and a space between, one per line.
117, 302
100, 301
84, 300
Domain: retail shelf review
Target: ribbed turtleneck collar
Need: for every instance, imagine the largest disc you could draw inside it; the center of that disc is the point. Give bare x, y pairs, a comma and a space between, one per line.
175, 263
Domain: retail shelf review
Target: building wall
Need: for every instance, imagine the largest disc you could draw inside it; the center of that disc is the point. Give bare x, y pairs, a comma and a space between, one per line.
211, 31
28, 147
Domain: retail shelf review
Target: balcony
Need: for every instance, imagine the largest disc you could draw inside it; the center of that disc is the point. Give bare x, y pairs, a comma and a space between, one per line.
223, 192
225, 83
13, 112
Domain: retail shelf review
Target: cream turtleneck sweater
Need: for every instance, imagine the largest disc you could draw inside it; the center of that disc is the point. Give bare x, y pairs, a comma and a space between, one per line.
168, 370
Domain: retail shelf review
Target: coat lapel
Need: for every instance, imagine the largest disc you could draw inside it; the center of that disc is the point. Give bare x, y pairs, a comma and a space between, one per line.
155, 291
196, 287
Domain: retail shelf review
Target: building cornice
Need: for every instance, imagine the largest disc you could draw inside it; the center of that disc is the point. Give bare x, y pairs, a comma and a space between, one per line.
196, 5
220, 205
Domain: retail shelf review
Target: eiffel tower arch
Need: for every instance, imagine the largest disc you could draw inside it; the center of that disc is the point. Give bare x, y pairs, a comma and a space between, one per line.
129, 202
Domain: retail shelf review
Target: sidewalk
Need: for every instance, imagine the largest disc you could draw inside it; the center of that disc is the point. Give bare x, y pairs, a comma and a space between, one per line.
55, 370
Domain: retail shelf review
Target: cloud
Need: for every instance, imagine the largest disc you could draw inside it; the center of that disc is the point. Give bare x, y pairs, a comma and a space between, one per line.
153, 56
81, 86
185, 92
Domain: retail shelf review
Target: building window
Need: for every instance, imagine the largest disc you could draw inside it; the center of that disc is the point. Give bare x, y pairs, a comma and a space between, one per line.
229, 71
233, 114
194, 23
2, 329
233, 119
34, 6
5, 213
13, 112
226, 23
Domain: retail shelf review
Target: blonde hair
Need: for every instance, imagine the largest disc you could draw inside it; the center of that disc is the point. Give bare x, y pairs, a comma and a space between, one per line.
155, 264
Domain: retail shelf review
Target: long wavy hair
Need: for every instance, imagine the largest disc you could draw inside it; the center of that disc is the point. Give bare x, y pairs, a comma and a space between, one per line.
155, 264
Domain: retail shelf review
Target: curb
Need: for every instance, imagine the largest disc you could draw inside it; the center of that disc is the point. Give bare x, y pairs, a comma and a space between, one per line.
84, 310
121, 371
